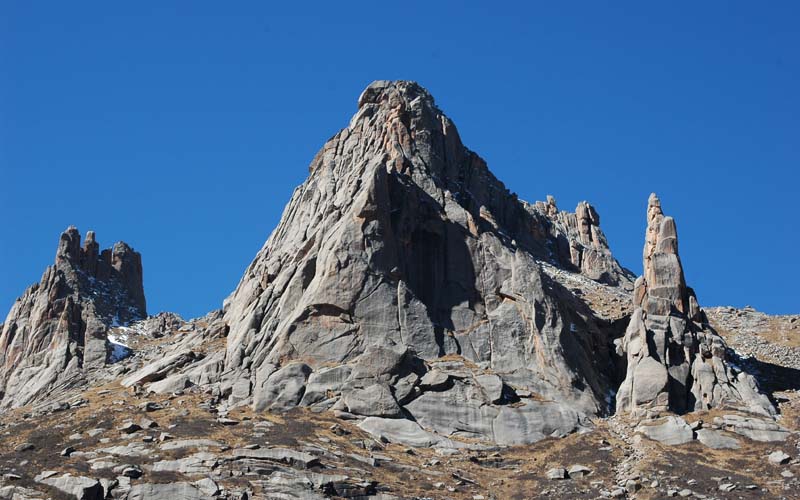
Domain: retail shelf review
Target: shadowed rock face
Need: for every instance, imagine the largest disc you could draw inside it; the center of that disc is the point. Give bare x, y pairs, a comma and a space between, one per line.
58, 328
676, 361
401, 246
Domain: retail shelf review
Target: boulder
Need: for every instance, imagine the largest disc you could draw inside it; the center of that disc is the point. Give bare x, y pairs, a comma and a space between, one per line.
197, 463
284, 455
671, 431
717, 440
557, 473
283, 389
323, 382
166, 491
207, 486
492, 386
757, 429
78, 487
576, 471
375, 401
434, 379
399, 431
160, 368
779, 457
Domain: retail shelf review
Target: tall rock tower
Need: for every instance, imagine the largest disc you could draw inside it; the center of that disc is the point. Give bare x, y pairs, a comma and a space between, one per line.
676, 361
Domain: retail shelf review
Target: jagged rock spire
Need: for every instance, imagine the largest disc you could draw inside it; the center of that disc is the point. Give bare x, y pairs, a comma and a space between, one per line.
58, 328
676, 361
402, 248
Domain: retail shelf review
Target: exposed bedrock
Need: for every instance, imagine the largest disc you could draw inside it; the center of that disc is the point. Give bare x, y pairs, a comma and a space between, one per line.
58, 328
676, 361
400, 251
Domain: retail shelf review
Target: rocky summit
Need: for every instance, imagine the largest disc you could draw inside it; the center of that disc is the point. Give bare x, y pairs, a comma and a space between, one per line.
676, 361
58, 330
411, 329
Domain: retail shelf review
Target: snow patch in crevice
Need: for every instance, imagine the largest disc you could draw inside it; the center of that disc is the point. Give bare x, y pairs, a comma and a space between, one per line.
118, 347
115, 323
611, 401
119, 337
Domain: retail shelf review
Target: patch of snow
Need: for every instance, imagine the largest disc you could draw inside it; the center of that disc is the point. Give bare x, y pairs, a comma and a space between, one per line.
119, 350
611, 400
116, 323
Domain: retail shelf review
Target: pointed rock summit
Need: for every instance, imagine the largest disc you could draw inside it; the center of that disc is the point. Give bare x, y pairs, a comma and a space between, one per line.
404, 281
676, 361
58, 328
405, 287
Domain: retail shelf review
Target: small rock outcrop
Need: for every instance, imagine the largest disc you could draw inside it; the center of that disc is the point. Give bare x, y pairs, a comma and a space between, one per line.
580, 243
676, 361
59, 327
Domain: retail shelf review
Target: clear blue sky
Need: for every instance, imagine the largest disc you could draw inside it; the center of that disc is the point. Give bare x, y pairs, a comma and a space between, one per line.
182, 127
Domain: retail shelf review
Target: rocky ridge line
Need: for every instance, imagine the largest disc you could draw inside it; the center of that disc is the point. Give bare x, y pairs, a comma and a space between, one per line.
58, 329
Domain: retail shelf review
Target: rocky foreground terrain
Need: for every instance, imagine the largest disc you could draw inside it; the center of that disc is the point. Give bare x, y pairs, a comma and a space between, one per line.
410, 330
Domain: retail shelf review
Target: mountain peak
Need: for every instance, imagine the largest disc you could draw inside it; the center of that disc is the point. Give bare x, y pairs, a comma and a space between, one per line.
58, 329
383, 91
400, 248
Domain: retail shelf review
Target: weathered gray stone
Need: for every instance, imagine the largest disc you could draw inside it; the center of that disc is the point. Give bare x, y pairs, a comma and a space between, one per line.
492, 386
557, 473
717, 440
283, 389
460, 410
753, 428
78, 487
376, 401
406, 388
400, 247
190, 443
533, 422
324, 381
57, 331
671, 431
133, 472
160, 368
399, 431
129, 450
284, 455
675, 360
165, 491
434, 379
207, 486
576, 471
129, 427
779, 457
197, 463
170, 384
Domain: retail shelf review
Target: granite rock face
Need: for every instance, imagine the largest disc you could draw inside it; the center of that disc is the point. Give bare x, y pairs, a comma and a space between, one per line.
400, 249
676, 361
581, 244
59, 327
